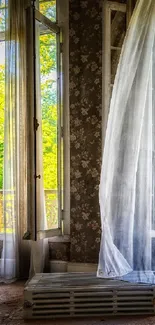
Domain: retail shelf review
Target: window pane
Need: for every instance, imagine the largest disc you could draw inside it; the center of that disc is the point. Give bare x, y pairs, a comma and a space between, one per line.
115, 55
2, 105
2, 20
48, 9
2, 3
118, 31
118, 28
49, 106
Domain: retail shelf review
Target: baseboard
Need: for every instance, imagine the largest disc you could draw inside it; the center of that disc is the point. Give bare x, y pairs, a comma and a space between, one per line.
60, 266
81, 267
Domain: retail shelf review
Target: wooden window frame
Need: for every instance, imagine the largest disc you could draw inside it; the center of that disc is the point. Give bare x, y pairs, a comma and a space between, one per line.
61, 28
108, 7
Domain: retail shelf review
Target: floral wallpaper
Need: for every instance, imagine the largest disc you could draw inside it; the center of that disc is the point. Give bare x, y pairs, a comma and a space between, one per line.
59, 251
85, 127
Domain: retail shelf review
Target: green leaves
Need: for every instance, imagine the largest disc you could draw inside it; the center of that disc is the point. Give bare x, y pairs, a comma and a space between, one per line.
49, 128
48, 53
48, 73
2, 20
48, 9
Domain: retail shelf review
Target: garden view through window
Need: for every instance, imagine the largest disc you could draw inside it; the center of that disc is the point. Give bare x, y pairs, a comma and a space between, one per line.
2, 103
48, 75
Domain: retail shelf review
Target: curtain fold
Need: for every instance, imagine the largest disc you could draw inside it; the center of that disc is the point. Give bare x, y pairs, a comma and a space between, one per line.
14, 180
127, 177
20, 258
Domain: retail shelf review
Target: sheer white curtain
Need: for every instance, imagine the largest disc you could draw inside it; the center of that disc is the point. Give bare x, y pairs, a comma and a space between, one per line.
14, 180
128, 167
18, 254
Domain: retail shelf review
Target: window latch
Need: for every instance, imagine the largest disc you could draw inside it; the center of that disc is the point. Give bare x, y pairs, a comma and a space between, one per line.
36, 124
61, 47
62, 132
37, 176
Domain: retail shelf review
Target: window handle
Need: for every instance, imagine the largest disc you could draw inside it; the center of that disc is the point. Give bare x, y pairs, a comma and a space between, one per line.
37, 176
36, 124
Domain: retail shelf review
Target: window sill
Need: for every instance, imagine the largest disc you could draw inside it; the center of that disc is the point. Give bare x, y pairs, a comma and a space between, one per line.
59, 239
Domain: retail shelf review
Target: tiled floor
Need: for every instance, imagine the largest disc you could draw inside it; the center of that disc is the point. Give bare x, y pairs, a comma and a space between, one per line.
11, 300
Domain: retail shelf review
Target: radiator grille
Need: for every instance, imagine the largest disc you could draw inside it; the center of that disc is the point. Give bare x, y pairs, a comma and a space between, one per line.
83, 295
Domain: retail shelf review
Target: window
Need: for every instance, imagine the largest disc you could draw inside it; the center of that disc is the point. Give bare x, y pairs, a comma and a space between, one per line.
48, 9
115, 21
2, 104
47, 33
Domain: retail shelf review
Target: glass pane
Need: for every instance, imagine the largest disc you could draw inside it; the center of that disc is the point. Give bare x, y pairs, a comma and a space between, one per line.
115, 55
48, 9
2, 105
2, 20
47, 50
62, 136
118, 28
2, 3
153, 254
153, 153
118, 31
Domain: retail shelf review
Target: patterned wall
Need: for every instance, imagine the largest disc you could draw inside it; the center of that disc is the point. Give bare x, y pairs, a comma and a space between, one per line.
85, 127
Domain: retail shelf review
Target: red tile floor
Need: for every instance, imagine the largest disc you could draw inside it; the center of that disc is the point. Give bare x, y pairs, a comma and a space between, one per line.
11, 311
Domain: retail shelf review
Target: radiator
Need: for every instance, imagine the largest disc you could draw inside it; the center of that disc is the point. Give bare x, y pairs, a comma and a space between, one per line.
60, 295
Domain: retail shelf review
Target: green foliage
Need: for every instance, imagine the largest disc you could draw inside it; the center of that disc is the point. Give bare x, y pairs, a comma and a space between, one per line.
47, 53
49, 108
48, 9
2, 19
48, 66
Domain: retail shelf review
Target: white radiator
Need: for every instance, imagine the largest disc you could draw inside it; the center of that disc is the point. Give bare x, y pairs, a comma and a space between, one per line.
83, 295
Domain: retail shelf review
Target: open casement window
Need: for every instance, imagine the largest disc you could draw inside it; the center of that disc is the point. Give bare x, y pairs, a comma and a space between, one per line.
2, 106
116, 17
47, 166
